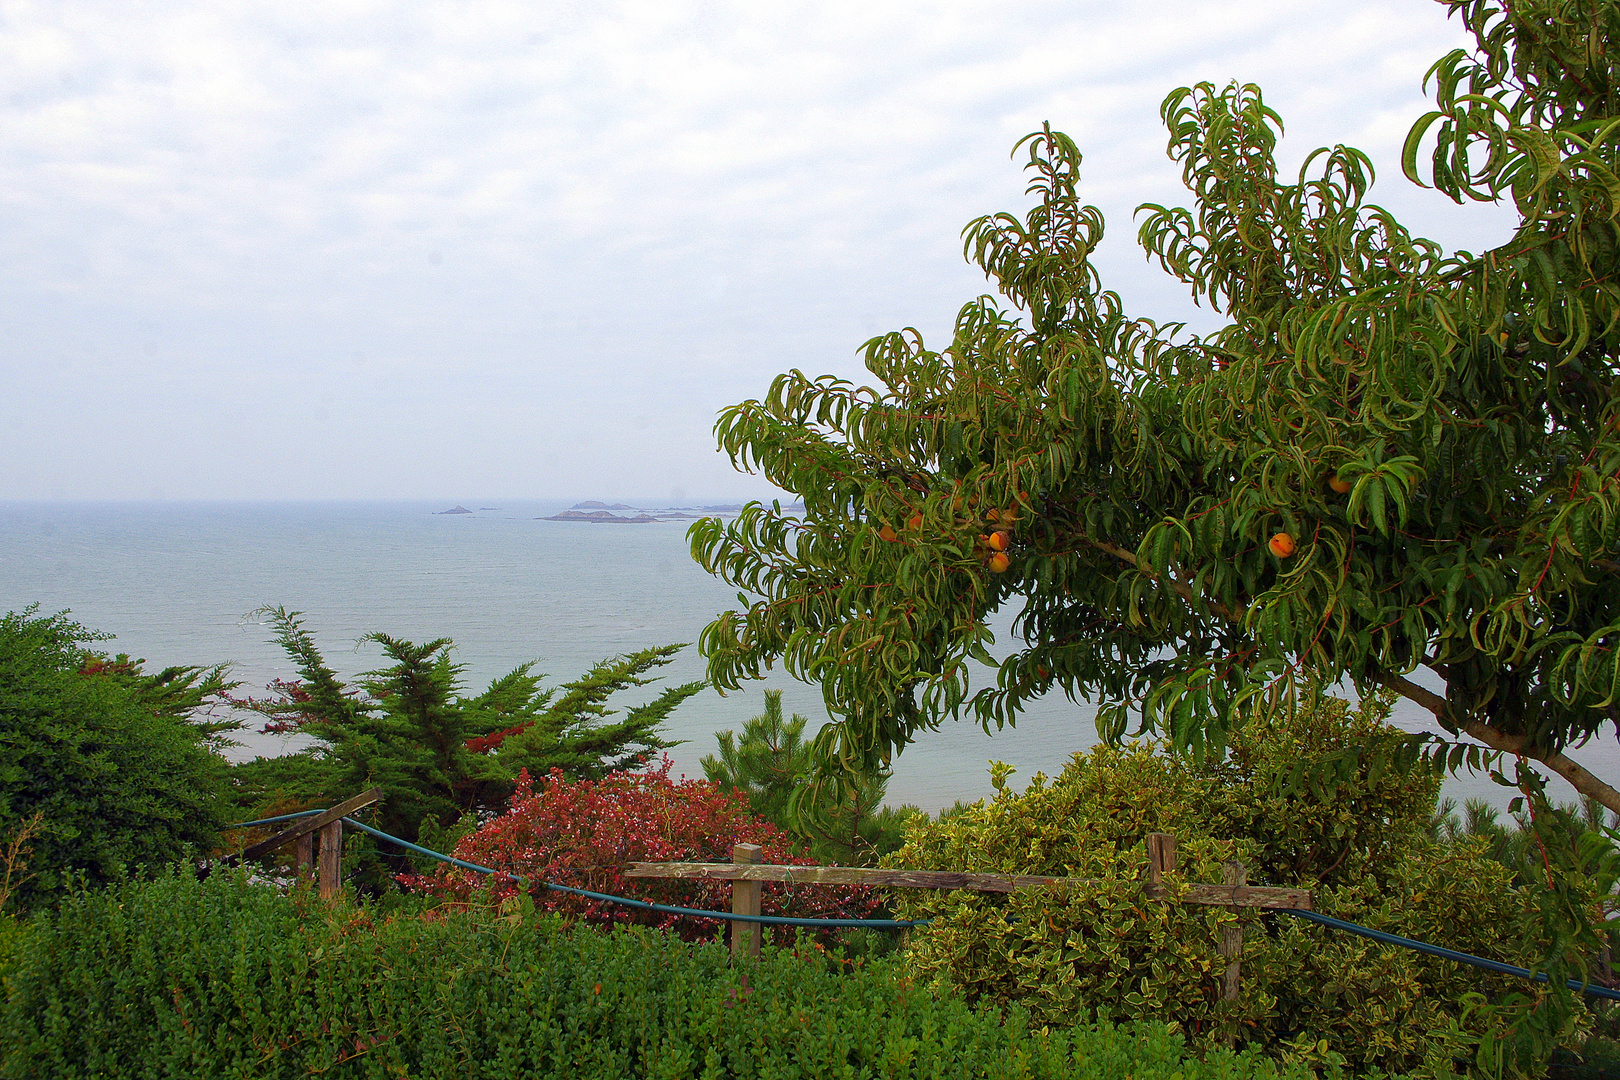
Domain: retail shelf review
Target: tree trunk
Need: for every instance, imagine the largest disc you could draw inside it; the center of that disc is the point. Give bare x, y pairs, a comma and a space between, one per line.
1581, 780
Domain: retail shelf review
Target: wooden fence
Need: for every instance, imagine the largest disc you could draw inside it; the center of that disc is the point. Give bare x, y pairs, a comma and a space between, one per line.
746, 872
328, 825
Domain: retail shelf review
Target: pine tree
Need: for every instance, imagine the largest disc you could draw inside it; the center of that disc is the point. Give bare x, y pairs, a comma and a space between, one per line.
847, 825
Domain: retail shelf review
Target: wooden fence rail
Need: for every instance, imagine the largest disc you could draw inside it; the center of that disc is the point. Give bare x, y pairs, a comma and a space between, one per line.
746, 872
329, 826
1225, 895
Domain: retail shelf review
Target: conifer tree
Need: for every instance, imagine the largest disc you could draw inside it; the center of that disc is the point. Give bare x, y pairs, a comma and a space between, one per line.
438, 754
846, 824
106, 769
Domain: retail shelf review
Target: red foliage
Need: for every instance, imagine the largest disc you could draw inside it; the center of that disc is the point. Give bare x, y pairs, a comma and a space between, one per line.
283, 717
100, 665
487, 744
582, 833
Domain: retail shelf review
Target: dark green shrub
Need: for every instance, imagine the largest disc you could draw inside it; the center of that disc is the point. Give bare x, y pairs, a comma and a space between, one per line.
1359, 840
224, 979
117, 763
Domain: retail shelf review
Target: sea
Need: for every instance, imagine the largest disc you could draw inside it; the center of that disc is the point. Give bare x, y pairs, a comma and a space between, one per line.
178, 583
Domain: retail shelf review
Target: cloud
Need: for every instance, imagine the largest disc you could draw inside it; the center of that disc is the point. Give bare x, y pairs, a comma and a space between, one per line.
368, 249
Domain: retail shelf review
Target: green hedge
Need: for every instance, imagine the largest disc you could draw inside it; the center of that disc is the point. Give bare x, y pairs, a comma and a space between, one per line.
227, 979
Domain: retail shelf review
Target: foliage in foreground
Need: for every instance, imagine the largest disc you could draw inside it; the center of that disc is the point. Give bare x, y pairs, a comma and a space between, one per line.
581, 833
1361, 841
845, 824
439, 755
107, 767
226, 979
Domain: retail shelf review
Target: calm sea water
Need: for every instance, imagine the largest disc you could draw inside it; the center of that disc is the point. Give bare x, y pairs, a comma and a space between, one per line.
176, 583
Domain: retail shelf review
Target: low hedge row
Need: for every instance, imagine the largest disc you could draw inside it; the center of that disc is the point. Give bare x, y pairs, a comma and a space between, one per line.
223, 978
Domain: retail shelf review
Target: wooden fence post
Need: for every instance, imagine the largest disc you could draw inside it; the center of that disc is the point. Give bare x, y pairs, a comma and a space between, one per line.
306, 854
1161, 849
331, 859
1232, 936
1231, 945
745, 936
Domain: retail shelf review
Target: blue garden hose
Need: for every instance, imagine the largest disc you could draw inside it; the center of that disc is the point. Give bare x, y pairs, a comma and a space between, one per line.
899, 924
1448, 954
773, 920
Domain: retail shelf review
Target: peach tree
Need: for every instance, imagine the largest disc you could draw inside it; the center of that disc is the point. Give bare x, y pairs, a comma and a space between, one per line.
1393, 464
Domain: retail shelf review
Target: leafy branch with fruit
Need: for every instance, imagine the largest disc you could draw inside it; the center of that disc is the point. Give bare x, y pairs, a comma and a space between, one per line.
1392, 465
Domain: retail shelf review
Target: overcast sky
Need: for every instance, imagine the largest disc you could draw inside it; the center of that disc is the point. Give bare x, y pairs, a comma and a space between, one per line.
529, 249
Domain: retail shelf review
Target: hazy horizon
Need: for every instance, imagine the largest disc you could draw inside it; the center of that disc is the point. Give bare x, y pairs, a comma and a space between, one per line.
485, 501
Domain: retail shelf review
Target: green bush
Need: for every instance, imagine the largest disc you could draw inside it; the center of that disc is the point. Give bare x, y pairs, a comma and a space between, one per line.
1300, 809
117, 764
226, 979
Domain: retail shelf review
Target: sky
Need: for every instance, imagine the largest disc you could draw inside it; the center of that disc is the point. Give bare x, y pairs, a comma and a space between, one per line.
356, 250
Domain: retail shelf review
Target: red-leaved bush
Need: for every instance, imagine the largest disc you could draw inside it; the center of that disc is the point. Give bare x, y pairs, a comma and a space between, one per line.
582, 833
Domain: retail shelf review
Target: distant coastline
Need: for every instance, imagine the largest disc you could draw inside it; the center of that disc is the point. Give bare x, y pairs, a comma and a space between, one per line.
599, 517
600, 513
595, 512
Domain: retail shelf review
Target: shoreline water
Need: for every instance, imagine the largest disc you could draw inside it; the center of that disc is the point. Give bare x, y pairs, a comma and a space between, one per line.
175, 582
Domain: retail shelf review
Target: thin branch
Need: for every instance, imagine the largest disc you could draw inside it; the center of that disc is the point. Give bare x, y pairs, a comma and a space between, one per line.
1181, 588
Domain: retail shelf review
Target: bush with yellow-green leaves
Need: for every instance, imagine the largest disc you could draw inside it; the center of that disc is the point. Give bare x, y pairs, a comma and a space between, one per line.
1298, 800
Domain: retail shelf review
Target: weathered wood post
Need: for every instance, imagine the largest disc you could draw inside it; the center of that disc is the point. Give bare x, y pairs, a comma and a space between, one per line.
1237, 875
331, 859
329, 823
745, 936
1161, 849
306, 854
